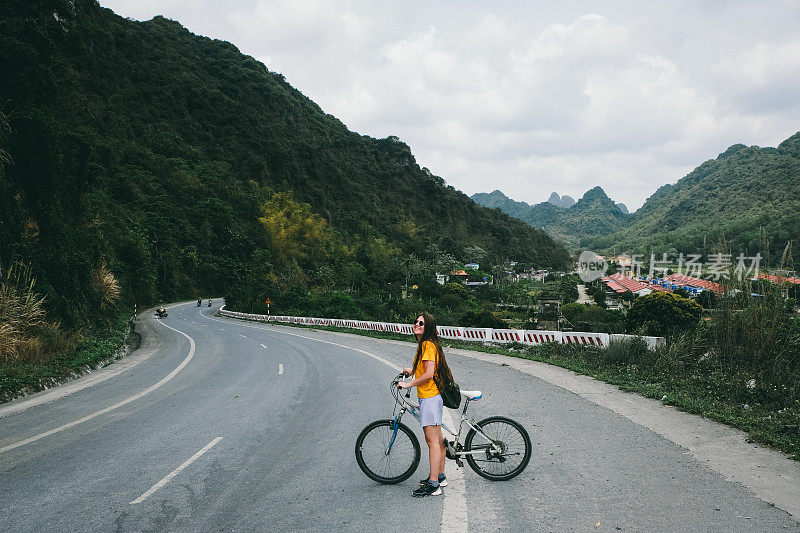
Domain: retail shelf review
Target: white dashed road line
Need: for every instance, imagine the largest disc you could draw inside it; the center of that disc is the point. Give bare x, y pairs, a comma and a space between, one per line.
280, 369
454, 506
263, 346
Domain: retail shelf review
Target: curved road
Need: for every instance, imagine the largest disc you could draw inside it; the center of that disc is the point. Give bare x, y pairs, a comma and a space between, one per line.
216, 424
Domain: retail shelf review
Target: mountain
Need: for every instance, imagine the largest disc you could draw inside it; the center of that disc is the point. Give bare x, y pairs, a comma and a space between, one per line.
594, 215
561, 201
747, 200
623, 208
184, 167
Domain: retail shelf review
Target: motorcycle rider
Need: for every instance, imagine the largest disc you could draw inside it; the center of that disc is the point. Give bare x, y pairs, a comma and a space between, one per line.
199, 302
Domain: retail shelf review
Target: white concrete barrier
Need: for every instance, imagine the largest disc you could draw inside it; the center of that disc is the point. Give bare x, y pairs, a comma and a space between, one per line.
535, 336
652, 342
587, 339
478, 334
507, 335
502, 336
450, 332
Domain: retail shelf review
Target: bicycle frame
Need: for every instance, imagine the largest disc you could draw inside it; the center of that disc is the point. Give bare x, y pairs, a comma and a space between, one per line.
405, 405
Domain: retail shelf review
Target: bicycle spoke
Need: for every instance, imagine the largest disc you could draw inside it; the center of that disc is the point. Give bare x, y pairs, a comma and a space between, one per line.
384, 463
505, 455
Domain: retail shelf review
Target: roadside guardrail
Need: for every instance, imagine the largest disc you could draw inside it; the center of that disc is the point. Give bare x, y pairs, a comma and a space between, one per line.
488, 335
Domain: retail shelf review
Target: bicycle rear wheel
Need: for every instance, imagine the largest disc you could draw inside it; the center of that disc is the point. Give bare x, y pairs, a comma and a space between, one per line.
386, 455
505, 456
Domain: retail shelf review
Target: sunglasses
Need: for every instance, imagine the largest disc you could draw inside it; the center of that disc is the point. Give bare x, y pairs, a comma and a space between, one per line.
419, 323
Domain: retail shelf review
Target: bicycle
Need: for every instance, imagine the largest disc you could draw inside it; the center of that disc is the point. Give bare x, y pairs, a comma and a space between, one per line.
496, 448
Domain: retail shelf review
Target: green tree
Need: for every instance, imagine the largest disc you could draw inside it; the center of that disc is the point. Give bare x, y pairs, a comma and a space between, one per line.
683, 293
478, 275
599, 298
295, 232
569, 288
707, 299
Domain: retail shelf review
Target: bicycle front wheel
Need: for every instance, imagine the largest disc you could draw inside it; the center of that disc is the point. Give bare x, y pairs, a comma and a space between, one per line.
386, 454
501, 452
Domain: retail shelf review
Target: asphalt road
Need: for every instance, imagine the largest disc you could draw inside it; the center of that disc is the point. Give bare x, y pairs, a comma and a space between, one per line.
222, 425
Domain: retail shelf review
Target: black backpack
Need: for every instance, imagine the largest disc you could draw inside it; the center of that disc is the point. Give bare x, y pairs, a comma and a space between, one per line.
451, 394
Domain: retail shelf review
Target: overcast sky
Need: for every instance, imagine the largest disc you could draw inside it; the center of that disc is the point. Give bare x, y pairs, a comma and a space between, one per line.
530, 97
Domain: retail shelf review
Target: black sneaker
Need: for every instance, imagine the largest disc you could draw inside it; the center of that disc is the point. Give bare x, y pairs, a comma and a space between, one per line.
442, 482
426, 489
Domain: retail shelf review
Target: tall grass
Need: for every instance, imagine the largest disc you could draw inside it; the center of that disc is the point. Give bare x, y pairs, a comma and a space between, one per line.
36, 352
106, 286
25, 332
751, 332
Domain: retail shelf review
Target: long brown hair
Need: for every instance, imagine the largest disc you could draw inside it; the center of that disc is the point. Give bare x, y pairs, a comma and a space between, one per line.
442, 375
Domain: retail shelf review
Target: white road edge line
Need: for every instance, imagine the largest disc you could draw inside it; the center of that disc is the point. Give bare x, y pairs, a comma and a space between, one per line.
175, 472
280, 369
454, 504
116, 405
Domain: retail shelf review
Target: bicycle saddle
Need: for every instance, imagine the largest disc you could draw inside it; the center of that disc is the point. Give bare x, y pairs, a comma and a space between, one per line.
471, 394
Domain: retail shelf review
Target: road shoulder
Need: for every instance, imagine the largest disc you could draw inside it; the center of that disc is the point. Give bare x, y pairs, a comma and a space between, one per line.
770, 475
151, 340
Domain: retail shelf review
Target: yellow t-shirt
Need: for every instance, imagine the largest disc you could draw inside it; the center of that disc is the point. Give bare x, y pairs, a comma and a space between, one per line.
429, 353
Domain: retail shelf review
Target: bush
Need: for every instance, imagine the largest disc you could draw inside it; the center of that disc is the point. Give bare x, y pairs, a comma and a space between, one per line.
573, 311
429, 288
450, 301
663, 313
483, 319
625, 351
456, 289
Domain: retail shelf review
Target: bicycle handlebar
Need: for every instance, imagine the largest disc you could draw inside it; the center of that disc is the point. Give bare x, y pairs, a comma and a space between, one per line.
399, 377
397, 391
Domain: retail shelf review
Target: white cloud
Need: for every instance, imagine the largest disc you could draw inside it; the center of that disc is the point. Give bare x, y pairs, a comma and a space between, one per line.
531, 98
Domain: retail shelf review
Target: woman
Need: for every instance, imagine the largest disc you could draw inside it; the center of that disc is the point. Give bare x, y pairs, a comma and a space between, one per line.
429, 367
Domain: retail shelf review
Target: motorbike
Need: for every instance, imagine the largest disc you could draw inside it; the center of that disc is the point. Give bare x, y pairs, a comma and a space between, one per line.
209, 303
161, 313
199, 302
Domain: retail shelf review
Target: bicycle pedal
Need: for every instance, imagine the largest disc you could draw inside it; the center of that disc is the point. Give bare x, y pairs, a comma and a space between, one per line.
459, 462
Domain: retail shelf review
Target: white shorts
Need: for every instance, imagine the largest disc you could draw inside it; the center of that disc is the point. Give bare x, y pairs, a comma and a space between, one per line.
430, 411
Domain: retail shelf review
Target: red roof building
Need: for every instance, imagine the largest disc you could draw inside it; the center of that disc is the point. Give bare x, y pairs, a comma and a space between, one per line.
779, 279
695, 282
620, 283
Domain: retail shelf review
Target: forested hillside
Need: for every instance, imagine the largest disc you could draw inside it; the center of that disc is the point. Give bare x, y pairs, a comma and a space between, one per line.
183, 168
747, 200
595, 214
